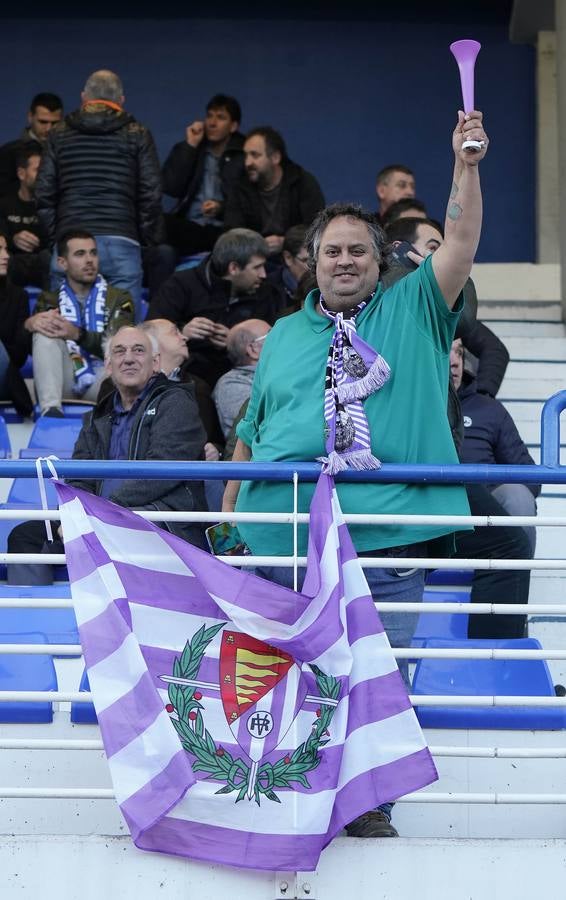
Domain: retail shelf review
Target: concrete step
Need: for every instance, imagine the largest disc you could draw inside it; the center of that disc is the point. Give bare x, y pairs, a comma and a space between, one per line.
514, 310
529, 330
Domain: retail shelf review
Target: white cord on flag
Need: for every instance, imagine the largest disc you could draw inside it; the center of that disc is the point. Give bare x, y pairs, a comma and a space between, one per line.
42, 493
295, 529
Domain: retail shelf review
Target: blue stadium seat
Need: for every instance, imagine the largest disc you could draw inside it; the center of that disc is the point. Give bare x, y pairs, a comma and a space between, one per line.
26, 371
486, 677
144, 304
5, 445
10, 413
57, 626
190, 262
83, 713
55, 434
36, 452
26, 672
71, 408
450, 577
453, 626
33, 293
25, 492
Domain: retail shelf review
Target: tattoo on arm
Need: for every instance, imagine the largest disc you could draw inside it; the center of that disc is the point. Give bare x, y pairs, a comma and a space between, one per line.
454, 190
454, 211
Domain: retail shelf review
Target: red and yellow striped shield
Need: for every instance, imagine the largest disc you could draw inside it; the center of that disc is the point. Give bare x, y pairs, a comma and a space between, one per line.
249, 669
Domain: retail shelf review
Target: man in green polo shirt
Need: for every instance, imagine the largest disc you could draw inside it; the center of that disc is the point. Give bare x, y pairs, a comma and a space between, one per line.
402, 418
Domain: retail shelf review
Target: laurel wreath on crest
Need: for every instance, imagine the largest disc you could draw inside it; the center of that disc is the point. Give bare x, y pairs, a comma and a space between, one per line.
215, 760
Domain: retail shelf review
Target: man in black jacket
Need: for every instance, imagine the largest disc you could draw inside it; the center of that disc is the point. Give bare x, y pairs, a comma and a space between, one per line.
29, 264
45, 111
146, 417
199, 172
228, 287
491, 437
100, 172
274, 193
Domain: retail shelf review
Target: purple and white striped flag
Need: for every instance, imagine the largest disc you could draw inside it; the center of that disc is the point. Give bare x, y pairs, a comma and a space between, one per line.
243, 723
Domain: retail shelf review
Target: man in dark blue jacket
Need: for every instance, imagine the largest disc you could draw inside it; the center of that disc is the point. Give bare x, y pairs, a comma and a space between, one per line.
491, 436
146, 416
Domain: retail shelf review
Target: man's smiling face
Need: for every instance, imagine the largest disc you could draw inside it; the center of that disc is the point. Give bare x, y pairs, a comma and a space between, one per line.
347, 270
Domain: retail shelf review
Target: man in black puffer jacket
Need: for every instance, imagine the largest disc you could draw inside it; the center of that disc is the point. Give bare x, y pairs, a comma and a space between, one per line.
100, 172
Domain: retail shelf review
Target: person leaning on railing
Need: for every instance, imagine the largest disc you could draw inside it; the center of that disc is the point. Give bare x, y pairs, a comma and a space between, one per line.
354, 342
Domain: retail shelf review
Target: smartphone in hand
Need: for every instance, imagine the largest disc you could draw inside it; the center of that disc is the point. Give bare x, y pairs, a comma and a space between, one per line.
224, 539
399, 254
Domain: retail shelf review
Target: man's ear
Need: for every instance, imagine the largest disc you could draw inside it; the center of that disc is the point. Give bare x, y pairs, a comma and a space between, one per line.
380, 190
234, 127
156, 362
287, 257
233, 269
62, 263
276, 158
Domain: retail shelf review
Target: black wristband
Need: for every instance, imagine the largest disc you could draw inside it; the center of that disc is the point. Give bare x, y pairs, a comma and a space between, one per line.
82, 335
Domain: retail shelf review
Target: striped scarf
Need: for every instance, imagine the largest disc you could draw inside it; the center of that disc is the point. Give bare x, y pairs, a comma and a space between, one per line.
354, 370
91, 314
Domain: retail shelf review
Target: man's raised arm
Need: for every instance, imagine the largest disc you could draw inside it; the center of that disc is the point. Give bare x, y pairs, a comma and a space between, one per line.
452, 262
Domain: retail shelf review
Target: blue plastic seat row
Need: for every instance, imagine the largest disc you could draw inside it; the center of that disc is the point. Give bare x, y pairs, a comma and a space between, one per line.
486, 677
26, 672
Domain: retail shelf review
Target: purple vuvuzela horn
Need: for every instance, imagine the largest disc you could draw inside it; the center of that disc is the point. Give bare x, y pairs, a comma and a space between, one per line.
465, 53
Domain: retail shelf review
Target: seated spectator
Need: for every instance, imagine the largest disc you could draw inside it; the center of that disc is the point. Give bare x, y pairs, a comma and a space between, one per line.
295, 262
228, 287
426, 235
15, 341
274, 193
392, 184
243, 347
406, 208
100, 172
44, 112
145, 417
199, 172
174, 354
495, 542
69, 326
491, 436
29, 263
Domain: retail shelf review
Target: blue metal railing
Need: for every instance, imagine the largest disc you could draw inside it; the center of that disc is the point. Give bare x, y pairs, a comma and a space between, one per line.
550, 471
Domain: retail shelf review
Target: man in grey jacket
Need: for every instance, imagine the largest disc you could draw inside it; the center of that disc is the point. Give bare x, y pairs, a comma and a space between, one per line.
145, 417
243, 346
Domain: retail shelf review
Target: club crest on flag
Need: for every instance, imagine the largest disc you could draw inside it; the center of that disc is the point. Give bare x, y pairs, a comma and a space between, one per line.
249, 669
262, 692
214, 687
